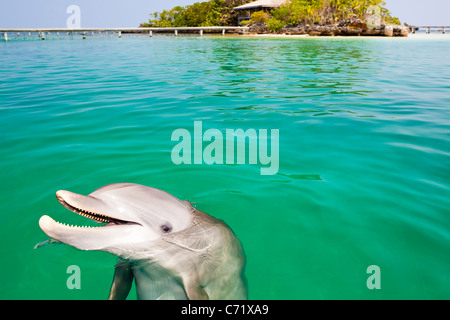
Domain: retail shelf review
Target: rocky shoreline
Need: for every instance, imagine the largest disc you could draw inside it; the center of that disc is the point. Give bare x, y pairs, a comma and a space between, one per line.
356, 28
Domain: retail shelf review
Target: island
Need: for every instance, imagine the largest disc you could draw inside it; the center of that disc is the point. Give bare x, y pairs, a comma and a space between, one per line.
288, 17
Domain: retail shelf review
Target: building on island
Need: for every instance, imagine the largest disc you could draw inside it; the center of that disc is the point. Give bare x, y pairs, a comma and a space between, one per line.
264, 5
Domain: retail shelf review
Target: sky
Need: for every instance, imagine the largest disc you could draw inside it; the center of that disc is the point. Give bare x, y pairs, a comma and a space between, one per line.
130, 13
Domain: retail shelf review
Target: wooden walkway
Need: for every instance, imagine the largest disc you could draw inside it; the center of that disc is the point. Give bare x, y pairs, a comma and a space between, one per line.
44, 32
119, 31
428, 28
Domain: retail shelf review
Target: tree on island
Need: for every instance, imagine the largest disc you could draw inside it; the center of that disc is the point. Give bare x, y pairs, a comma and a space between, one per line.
326, 12
199, 14
293, 12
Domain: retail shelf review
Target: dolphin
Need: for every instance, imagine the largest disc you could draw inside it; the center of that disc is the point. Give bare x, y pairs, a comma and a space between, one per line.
170, 249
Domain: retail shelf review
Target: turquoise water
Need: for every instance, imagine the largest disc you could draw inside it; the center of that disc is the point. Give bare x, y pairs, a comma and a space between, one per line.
364, 156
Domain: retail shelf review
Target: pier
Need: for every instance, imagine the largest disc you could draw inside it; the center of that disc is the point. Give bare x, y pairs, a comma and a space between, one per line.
428, 28
42, 32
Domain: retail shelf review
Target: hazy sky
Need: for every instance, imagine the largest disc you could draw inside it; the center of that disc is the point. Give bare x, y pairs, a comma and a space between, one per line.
129, 13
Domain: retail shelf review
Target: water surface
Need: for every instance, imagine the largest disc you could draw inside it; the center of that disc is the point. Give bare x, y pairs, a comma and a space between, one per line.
364, 155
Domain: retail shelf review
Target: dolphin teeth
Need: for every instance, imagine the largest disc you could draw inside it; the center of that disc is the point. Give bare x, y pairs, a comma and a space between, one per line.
88, 214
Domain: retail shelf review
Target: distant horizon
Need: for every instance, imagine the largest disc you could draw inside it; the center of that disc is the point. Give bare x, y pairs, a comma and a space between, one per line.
129, 14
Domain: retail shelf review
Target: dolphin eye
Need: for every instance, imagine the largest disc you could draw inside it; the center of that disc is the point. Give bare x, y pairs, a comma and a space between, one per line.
166, 228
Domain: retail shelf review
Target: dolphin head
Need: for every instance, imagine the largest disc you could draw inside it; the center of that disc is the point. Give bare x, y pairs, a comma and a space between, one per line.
134, 216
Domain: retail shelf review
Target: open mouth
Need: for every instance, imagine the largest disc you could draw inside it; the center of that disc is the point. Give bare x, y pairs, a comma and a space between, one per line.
97, 217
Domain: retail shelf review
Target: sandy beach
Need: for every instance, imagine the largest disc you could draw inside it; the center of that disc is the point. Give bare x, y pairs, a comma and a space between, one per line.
416, 36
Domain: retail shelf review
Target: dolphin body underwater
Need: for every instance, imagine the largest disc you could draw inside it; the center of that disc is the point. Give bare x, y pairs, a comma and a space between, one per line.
170, 249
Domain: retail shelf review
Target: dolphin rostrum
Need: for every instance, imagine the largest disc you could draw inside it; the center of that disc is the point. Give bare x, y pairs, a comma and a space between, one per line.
170, 249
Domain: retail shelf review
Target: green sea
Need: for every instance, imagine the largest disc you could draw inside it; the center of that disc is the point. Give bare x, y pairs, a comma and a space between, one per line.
364, 155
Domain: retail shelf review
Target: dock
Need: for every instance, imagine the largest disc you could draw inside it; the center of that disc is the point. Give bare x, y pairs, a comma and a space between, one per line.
428, 28
42, 32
